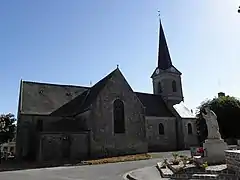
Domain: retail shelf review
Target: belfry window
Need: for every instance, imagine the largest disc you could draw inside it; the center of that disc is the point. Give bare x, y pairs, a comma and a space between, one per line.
174, 86
119, 120
159, 88
161, 129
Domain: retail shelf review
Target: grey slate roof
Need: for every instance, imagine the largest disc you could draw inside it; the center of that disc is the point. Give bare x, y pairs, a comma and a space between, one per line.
67, 100
164, 58
154, 104
44, 98
84, 100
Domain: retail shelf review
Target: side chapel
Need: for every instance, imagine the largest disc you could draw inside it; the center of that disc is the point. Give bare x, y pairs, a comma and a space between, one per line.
108, 119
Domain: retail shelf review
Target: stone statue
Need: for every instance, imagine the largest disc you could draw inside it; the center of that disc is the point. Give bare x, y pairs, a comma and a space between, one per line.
212, 124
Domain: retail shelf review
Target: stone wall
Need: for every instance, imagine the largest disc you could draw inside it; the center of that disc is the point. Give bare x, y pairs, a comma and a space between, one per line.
60, 146
190, 139
104, 141
233, 161
27, 141
161, 142
166, 79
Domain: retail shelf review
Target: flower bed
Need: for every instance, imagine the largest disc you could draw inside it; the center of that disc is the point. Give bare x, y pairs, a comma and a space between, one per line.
135, 157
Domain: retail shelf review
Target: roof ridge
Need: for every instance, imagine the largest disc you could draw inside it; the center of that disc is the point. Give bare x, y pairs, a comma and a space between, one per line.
87, 96
148, 93
54, 84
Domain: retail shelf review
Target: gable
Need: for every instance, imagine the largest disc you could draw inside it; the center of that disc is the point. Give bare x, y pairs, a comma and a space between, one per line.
154, 105
83, 101
44, 98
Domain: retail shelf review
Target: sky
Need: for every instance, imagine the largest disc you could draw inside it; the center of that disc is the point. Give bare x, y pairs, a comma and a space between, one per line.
78, 42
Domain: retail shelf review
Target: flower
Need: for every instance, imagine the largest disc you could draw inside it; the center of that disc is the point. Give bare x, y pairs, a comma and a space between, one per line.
200, 150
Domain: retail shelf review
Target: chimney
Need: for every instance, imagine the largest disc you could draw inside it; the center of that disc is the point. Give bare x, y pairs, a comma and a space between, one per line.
221, 94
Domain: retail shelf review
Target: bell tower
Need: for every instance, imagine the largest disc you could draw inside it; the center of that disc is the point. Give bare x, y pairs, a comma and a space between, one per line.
166, 78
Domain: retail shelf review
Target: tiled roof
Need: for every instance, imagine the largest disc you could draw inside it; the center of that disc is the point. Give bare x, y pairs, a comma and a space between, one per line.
83, 101
65, 100
154, 104
44, 98
164, 59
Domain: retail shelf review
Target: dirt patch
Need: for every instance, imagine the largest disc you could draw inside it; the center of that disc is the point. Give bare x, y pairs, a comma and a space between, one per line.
118, 159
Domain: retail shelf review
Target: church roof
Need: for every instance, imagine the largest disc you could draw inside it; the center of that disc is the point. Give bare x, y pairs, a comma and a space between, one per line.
154, 104
44, 98
84, 100
183, 111
164, 59
67, 100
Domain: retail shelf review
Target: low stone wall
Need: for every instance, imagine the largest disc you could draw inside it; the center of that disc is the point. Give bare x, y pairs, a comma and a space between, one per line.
233, 160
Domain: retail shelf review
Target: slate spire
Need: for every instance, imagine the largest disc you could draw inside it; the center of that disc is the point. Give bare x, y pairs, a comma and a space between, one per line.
164, 59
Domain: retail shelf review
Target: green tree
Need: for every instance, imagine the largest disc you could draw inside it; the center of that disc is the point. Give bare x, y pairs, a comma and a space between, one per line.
7, 127
227, 109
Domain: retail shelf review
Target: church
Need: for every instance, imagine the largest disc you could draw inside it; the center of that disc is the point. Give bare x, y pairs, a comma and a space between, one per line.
57, 122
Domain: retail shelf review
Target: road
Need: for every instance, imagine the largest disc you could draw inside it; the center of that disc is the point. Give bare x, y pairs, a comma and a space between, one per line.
114, 171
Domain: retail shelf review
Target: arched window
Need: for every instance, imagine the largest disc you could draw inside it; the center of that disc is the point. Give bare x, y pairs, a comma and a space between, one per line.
189, 127
161, 129
159, 88
119, 120
174, 86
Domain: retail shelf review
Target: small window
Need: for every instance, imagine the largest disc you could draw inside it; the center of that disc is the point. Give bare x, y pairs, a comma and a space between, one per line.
189, 127
159, 88
174, 86
119, 120
161, 129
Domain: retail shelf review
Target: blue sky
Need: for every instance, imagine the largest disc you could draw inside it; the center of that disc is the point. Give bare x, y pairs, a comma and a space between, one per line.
75, 42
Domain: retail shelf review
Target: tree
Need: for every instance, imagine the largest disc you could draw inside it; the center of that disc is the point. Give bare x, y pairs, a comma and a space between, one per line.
239, 9
7, 127
227, 109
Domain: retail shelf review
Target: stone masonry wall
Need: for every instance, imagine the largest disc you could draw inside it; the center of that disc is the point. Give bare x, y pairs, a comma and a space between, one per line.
156, 141
233, 160
59, 146
104, 141
190, 139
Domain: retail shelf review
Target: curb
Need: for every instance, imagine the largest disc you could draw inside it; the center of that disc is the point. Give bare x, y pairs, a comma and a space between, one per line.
158, 166
131, 177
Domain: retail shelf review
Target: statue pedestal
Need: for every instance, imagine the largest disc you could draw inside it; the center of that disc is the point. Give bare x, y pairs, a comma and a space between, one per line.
215, 150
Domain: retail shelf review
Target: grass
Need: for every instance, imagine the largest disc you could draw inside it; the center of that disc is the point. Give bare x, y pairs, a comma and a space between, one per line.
135, 157
156, 155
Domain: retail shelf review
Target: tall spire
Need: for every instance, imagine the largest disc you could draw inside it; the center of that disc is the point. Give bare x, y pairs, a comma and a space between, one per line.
164, 59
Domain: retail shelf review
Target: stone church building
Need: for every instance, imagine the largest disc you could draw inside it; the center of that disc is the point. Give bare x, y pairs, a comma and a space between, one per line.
58, 122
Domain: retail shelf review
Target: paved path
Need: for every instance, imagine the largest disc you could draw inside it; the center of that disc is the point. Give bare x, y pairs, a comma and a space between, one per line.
114, 171
147, 173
